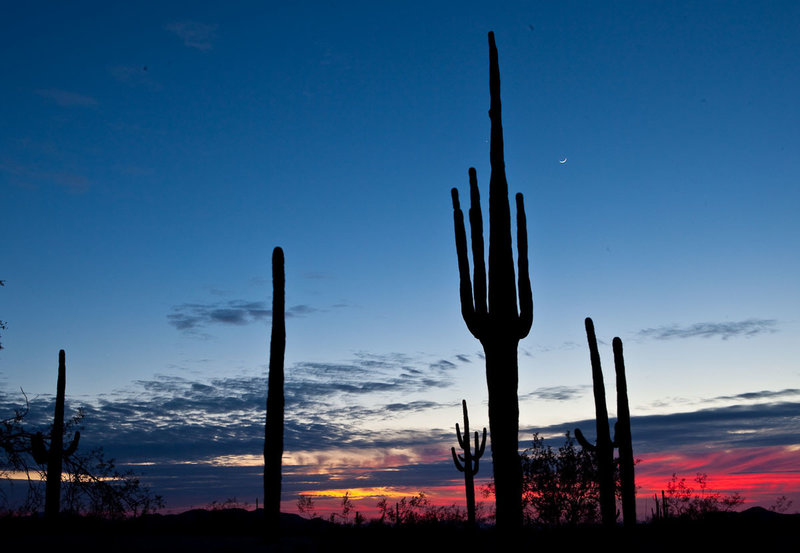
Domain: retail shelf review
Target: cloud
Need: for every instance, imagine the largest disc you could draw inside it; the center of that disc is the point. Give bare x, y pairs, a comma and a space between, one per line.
172, 418
193, 431
134, 76
191, 316
66, 98
760, 396
749, 327
194, 34
33, 177
556, 393
719, 428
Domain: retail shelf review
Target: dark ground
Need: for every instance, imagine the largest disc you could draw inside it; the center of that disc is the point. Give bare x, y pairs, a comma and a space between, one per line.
234, 530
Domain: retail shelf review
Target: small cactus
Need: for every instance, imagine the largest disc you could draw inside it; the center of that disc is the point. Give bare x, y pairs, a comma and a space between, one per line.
54, 456
468, 461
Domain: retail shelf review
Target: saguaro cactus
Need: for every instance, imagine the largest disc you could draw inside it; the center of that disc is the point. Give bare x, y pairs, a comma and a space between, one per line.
623, 439
604, 448
54, 456
498, 325
273, 430
468, 462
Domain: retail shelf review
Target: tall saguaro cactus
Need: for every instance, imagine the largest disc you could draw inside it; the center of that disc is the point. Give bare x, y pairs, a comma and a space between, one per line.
54, 457
273, 430
468, 462
498, 325
623, 439
604, 448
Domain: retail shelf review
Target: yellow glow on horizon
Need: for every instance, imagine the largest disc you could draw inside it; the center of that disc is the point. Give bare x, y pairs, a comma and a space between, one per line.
365, 493
321, 462
36, 476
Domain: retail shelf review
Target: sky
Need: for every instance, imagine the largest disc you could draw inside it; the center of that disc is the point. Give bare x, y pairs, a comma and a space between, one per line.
153, 154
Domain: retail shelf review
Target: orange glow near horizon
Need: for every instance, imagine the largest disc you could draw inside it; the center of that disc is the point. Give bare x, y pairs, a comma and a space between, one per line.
759, 475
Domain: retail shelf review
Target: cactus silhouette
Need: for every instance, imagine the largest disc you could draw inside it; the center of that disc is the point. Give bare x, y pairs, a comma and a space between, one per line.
604, 448
468, 462
498, 325
54, 456
623, 439
273, 430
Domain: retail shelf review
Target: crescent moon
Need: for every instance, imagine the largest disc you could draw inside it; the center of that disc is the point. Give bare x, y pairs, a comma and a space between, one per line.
562, 161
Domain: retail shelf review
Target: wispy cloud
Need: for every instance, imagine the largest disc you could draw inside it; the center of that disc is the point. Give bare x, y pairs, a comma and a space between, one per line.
556, 393
33, 177
136, 76
725, 330
760, 395
66, 98
191, 316
718, 428
194, 34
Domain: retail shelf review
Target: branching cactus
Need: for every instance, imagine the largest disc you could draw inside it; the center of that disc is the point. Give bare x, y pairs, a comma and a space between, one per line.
54, 456
468, 461
273, 431
604, 448
498, 325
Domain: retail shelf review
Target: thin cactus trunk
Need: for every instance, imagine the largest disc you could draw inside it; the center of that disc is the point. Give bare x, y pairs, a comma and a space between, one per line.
273, 431
54, 456
604, 450
623, 439
498, 325
468, 462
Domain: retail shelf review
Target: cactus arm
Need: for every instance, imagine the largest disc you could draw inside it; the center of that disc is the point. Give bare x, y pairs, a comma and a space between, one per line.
459, 466
460, 438
74, 445
476, 228
465, 285
583, 441
523, 278
479, 452
466, 444
38, 449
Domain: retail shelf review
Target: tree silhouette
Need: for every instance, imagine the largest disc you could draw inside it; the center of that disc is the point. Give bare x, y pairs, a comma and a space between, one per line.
559, 486
498, 325
273, 428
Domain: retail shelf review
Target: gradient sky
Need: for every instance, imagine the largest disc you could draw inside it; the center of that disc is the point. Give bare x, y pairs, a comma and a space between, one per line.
153, 154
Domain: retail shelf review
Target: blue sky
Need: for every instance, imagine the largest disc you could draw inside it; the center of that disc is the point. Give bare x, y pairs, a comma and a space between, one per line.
151, 156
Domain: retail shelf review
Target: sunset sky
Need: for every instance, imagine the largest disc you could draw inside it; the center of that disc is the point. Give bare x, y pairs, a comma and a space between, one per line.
152, 154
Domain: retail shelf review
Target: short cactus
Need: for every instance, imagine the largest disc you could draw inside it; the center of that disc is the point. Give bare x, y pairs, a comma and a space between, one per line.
468, 462
54, 456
